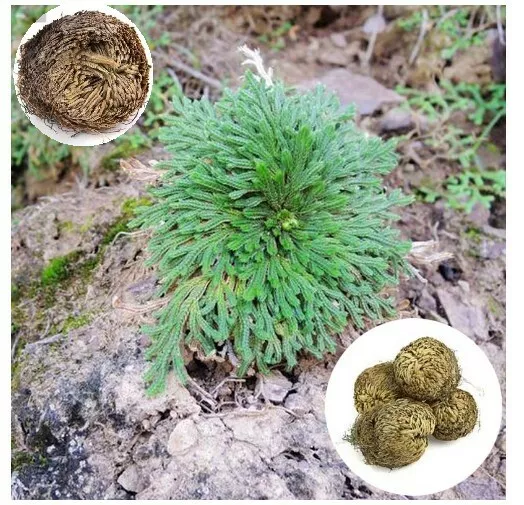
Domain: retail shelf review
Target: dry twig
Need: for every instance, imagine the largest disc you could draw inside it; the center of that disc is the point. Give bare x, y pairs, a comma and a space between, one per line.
500, 28
138, 171
138, 309
424, 27
179, 65
372, 40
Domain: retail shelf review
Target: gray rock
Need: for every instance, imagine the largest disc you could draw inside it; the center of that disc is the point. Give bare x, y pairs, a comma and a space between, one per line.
374, 24
339, 40
426, 302
144, 289
495, 466
365, 92
396, 119
275, 387
479, 215
491, 250
401, 119
259, 429
298, 404
132, 399
494, 232
466, 315
184, 436
484, 489
333, 57
40, 227
131, 480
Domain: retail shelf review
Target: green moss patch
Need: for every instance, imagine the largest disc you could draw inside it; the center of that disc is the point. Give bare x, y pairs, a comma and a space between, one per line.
74, 322
57, 270
21, 459
72, 273
128, 209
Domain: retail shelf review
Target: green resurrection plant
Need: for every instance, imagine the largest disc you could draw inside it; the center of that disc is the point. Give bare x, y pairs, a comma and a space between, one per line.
270, 228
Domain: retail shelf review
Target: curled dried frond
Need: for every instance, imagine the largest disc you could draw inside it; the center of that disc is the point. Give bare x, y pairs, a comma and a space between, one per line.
426, 370
394, 434
375, 386
86, 72
456, 416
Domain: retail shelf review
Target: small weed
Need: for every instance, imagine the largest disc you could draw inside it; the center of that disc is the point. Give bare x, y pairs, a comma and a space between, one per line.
22, 17
276, 39
21, 459
479, 102
457, 24
456, 28
119, 227
468, 188
145, 18
85, 227
412, 22
130, 206
427, 194
473, 234
484, 107
495, 307
15, 293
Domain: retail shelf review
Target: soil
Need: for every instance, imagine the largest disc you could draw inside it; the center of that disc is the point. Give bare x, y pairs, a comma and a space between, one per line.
83, 427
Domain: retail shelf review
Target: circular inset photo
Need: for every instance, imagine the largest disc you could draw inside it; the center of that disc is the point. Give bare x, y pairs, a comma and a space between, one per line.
413, 407
83, 76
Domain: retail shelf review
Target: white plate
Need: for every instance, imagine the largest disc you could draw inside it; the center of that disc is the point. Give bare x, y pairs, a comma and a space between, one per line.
444, 464
54, 131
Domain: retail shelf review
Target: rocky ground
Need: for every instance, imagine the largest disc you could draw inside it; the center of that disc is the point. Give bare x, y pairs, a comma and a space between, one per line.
83, 427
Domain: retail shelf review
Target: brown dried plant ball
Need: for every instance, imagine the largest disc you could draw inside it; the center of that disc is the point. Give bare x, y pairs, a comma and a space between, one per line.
375, 386
362, 433
426, 370
87, 72
394, 434
456, 416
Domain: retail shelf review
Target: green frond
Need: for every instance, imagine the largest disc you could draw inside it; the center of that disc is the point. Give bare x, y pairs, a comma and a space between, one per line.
270, 228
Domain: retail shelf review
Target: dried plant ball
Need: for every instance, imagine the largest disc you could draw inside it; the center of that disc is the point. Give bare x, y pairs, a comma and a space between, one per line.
426, 370
456, 416
375, 386
86, 72
394, 434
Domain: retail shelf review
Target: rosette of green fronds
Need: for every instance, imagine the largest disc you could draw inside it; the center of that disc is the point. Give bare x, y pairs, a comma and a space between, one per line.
270, 228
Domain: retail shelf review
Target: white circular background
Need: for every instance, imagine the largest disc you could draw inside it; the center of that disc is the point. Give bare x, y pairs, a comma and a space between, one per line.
444, 464
69, 137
